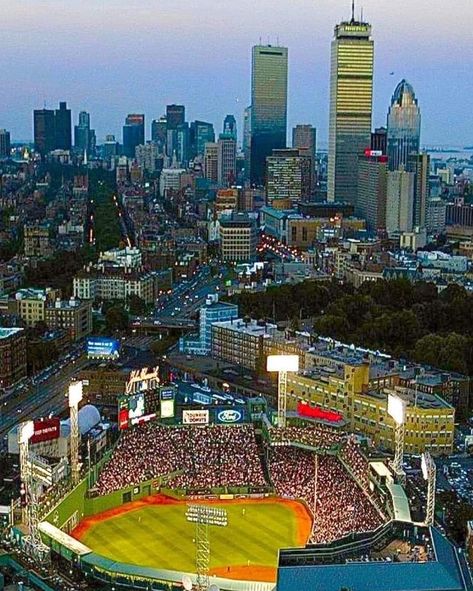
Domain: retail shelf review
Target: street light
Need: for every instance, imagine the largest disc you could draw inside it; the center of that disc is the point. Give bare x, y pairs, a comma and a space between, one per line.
397, 411
282, 364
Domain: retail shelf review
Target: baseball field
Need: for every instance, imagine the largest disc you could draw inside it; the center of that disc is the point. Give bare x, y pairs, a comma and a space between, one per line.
154, 532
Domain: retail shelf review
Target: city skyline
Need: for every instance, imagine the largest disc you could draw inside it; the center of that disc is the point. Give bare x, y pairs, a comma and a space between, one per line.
139, 45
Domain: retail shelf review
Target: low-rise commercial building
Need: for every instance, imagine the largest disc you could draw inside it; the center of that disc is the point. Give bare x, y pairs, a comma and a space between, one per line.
357, 384
241, 341
36, 241
301, 231
31, 304
114, 283
213, 311
74, 316
12, 356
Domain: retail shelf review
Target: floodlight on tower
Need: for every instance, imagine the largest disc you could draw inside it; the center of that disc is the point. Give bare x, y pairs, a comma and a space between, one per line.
397, 411
75, 396
282, 364
429, 472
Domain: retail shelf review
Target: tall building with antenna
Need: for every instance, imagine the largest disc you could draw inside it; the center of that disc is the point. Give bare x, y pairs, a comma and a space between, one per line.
351, 99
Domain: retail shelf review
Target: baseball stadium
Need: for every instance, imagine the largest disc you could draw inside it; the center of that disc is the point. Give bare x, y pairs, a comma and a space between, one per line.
171, 506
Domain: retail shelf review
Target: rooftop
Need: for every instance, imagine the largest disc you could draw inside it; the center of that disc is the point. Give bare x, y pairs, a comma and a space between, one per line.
251, 327
410, 560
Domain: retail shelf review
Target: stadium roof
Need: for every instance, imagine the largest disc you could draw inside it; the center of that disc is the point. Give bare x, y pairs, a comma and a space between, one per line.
447, 572
119, 569
400, 502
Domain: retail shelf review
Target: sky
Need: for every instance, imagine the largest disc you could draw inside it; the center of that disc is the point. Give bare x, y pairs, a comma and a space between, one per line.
111, 57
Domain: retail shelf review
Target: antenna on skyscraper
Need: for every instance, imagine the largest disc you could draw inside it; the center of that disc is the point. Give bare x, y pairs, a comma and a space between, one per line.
352, 11
362, 14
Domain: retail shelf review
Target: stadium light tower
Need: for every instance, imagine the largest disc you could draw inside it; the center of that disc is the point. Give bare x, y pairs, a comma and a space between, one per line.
397, 411
25, 433
429, 471
203, 516
282, 364
33, 543
75, 396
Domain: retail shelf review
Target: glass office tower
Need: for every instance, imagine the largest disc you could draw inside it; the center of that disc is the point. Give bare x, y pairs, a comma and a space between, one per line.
403, 126
268, 106
351, 98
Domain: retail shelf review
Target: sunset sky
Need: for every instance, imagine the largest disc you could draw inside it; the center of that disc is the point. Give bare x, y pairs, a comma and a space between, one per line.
111, 57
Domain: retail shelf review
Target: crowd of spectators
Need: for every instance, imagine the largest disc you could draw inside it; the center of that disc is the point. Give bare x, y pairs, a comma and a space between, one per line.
204, 457
317, 436
341, 507
199, 458
354, 459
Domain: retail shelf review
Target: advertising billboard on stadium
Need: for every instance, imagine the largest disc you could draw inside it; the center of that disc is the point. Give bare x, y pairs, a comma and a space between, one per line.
123, 413
312, 412
229, 416
167, 409
136, 406
167, 396
167, 393
46, 430
195, 417
102, 348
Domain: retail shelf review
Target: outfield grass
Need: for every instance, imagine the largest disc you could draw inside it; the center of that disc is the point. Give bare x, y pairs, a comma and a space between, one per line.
160, 536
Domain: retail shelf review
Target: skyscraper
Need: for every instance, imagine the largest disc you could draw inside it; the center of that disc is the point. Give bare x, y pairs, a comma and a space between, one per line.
403, 126
419, 164
44, 130
372, 188
247, 140
268, 106
201, 133
211, 161
182, 147
4, 143
230, 126
133, 133
63, 127
304, 137
351, 98
84, 137
400, 201
288, 176
159, 132
379, 140
175, 115
226, 162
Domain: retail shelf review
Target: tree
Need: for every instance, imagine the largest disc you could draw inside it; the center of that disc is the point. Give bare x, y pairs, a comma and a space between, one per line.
116, 318
136, 305
451, 352
40, 354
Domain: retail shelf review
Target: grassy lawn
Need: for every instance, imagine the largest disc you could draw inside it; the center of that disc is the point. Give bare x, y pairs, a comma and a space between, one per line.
160, 536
